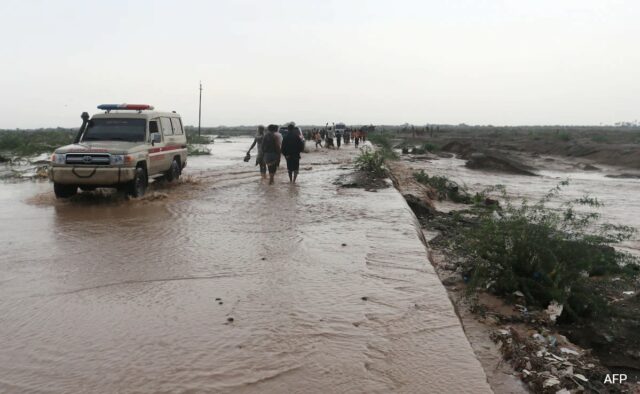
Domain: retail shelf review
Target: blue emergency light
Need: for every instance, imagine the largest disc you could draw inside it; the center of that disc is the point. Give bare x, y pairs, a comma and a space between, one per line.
133, 107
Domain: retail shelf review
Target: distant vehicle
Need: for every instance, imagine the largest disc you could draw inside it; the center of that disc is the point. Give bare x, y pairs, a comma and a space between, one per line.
121, 148
340, 128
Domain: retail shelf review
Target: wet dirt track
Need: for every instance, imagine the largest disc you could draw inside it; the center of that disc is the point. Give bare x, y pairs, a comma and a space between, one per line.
121, 296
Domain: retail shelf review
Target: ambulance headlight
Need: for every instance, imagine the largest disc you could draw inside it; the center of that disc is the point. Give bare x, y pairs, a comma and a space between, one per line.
117, 160
57, 158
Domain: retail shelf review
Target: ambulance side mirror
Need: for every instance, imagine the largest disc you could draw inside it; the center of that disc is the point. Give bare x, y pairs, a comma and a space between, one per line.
155, 137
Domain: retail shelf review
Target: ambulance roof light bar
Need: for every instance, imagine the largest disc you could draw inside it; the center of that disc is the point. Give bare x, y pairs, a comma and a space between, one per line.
130, 107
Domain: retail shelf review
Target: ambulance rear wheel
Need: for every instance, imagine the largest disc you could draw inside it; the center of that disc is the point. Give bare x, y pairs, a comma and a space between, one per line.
174, 171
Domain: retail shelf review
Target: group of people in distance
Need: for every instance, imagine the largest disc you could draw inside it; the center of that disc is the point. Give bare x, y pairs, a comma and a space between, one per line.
272, 145
329, 135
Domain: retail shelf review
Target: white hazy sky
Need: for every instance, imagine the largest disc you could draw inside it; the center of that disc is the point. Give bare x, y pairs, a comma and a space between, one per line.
267, 61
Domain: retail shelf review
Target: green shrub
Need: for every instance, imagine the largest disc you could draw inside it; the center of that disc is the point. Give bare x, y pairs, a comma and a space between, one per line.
547, 254
198, 139
371, 162
384, 145
197, 150
427, 146
603, 139
445, 188
31, 143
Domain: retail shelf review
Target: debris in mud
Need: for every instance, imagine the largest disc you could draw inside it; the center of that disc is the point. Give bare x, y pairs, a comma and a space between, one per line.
545, 366
361, 180
365, 298
554, 310
230, 319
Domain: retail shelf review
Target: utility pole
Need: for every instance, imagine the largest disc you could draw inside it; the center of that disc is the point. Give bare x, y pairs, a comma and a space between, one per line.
200, 109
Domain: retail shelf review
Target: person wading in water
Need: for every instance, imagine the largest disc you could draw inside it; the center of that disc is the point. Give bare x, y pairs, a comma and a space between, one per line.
271, 151
259, 157
292, 145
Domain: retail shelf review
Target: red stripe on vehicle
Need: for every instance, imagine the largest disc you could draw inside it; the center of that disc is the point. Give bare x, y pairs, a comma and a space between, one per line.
164, 149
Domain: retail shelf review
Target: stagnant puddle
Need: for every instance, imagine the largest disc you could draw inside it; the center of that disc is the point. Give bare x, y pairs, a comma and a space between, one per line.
224, 284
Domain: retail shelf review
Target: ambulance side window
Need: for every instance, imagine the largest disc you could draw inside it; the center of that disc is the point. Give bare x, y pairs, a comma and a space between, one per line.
166, 126
153, 127
177, 126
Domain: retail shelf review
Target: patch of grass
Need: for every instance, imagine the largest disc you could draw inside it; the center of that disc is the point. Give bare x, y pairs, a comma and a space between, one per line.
445, 188
603, 139
198, 139
383, 142
195, 144
427, 146
372, 162
564, 136
547, 254
197, 150
31, 143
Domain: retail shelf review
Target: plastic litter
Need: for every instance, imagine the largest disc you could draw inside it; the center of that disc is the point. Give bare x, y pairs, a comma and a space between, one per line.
581, 377
569, 351
551, 382
554, 310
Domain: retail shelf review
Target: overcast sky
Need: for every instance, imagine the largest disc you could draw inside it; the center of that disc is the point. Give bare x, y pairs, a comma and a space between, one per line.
266, 61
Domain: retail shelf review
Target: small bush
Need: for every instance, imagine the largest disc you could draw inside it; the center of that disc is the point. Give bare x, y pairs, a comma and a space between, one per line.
197, 150
547, 254
384, 145
445, 188
427, 146
31, 143
371, 162
603, 139
198, 139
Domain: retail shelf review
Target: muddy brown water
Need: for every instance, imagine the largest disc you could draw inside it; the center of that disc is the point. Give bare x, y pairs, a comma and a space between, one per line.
105, 295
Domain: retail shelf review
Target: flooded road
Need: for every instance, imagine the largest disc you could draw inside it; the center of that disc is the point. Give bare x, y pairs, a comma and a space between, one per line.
224, 284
